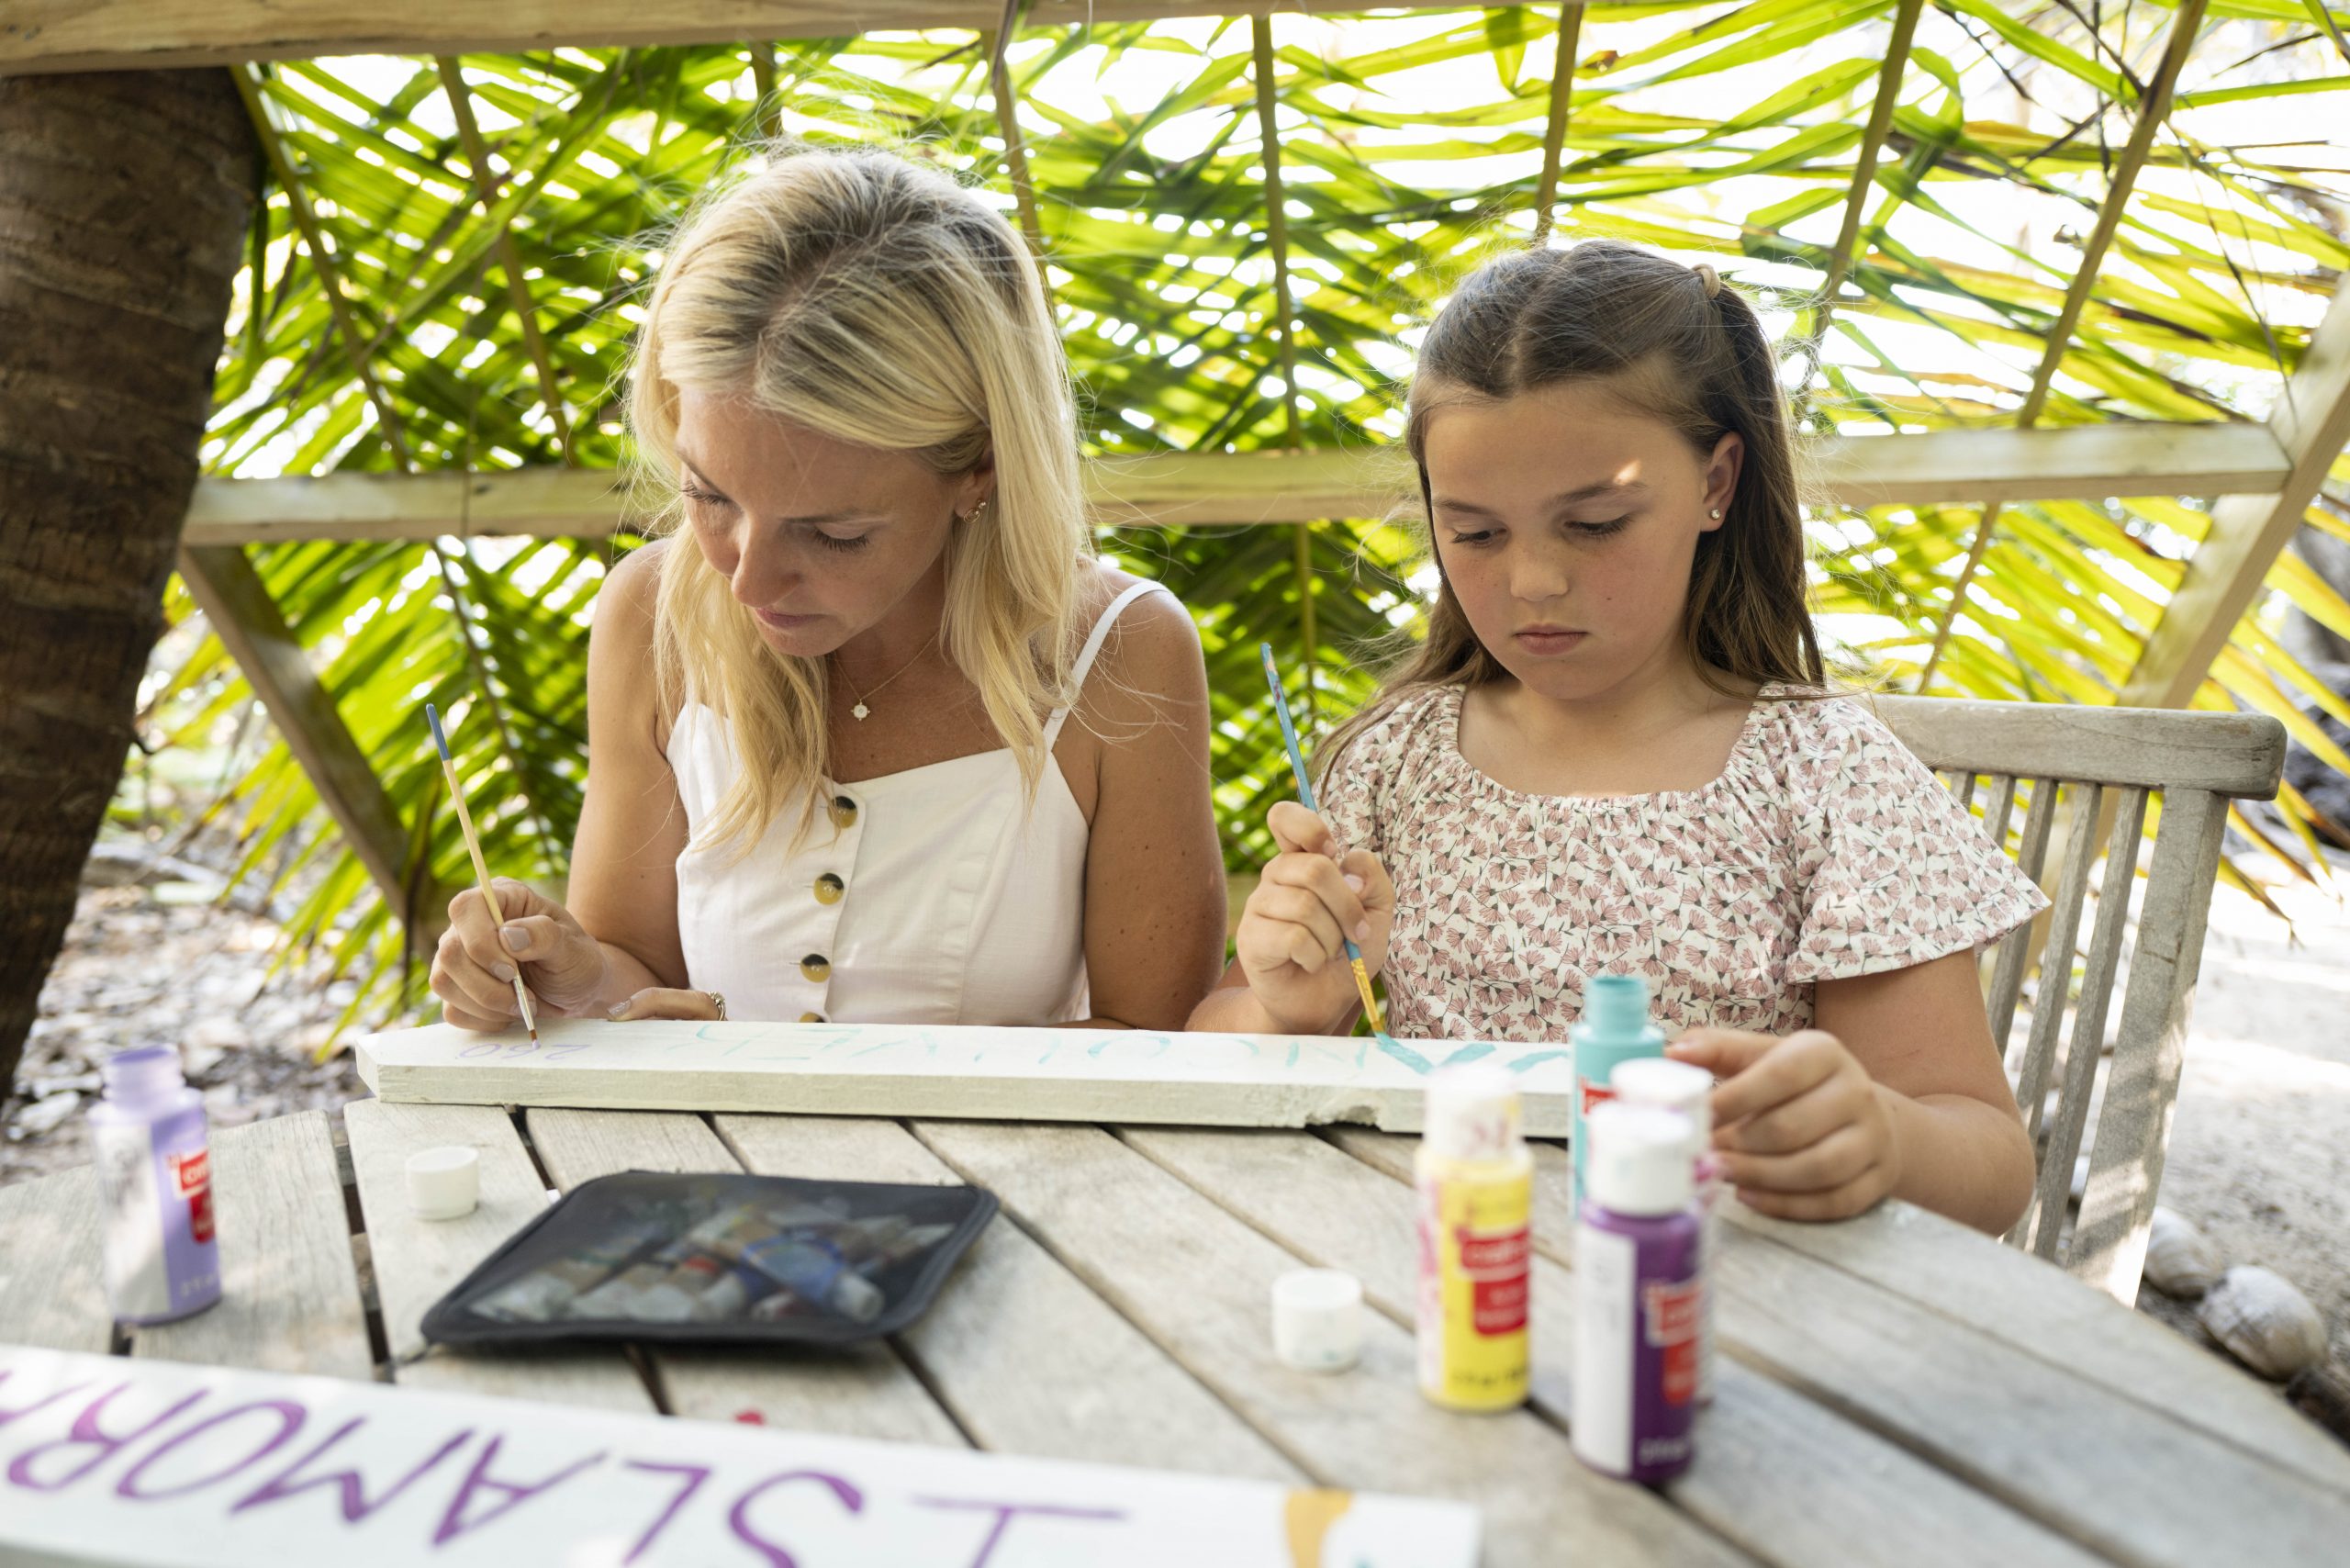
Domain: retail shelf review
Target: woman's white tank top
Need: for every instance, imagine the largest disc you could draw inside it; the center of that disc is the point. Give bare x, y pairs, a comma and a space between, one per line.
931, 896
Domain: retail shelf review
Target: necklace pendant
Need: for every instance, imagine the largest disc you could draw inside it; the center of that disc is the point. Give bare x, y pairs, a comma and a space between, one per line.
859, 711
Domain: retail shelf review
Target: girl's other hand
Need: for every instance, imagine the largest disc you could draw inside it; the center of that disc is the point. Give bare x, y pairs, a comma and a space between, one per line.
474, 969
1801, 1130
1312, 897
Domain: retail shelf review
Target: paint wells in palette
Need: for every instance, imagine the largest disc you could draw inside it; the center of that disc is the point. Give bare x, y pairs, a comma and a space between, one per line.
712, 1257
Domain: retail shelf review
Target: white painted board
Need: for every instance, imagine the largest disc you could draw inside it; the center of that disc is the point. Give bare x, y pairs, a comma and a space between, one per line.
898, 1069
111, 1461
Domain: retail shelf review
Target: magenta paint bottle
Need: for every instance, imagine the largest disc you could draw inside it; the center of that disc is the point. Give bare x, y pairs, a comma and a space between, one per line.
162, 1262
1637, 1296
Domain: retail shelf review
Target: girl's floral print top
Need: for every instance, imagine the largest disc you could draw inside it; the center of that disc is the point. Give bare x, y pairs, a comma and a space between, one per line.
1824, 850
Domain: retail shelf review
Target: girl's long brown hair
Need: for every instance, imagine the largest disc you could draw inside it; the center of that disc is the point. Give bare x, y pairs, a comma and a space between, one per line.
1681, 346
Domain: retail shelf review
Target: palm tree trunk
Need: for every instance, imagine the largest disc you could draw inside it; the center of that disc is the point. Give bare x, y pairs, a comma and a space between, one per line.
124, 201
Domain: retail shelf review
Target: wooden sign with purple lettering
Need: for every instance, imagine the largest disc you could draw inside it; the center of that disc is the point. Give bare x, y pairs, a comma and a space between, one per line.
111, 1461
899, 1069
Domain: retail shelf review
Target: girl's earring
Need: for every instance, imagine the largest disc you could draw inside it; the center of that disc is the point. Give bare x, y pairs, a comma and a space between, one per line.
1715, 514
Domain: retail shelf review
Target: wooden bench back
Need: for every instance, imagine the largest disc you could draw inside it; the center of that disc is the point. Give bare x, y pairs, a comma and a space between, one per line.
2088, 778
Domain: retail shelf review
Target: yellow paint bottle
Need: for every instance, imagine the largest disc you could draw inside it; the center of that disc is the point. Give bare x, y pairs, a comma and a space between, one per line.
1476, 1193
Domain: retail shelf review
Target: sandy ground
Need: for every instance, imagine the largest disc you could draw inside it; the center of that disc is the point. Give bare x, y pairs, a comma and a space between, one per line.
2260, 1149
2259, 1155
138, 969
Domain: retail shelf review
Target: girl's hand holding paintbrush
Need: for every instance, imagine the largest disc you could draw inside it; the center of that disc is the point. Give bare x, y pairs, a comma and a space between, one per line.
1315, 896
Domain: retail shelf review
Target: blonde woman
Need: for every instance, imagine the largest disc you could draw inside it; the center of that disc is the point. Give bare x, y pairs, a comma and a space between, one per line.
875, 738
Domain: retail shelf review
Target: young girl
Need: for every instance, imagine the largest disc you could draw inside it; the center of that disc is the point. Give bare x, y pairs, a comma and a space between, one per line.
1614, 753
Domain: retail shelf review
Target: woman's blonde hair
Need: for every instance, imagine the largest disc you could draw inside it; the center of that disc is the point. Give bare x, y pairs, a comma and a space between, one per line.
876, 302
1683, 346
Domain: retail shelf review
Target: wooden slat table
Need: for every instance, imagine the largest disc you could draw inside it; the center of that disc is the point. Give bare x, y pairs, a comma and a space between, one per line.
1895, 1390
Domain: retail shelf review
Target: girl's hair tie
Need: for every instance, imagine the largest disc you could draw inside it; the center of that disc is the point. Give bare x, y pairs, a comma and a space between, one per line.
1710, 278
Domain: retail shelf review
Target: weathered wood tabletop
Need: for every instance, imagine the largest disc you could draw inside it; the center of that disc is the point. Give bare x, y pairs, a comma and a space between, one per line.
1895, 1390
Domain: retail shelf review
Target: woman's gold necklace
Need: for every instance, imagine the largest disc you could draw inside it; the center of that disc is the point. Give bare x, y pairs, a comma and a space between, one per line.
861, 711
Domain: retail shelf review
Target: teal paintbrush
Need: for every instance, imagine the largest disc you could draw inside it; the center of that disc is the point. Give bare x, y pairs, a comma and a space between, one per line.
1305, 798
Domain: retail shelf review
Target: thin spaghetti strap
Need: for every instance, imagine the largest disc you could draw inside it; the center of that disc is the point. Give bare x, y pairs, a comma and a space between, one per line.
1093, 649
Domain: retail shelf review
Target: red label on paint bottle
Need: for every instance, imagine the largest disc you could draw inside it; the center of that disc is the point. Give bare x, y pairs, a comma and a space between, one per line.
192, 1174
1496, 1263
1670, 1314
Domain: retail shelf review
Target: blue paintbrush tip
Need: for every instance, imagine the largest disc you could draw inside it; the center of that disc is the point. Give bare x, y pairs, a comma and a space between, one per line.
439, 741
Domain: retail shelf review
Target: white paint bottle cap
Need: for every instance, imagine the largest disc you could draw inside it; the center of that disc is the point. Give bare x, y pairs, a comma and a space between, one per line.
444, 1183
1669, 1085
1318, 1319
1639, 1159
1472, 1112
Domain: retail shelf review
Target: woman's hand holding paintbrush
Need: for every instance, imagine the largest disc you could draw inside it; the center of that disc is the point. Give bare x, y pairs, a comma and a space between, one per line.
569, 973
497, 927
538, 941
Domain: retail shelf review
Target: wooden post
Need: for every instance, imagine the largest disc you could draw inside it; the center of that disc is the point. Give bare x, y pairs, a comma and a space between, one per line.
2248, 531
249, 624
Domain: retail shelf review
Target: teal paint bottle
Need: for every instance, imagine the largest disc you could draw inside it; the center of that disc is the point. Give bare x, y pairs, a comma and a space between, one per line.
1614, 1027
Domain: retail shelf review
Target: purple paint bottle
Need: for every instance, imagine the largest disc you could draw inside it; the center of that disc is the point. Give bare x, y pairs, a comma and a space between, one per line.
162, 1262
1687, 1091
1637, 1296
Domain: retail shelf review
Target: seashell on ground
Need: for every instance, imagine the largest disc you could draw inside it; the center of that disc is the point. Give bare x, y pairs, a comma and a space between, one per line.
2264, 1322
2181, 1260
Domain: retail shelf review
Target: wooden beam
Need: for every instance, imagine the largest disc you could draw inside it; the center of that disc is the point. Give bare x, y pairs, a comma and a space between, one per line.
1554, 129
1227, 490
246, 620
2248, 531
77, 35
2077, 462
